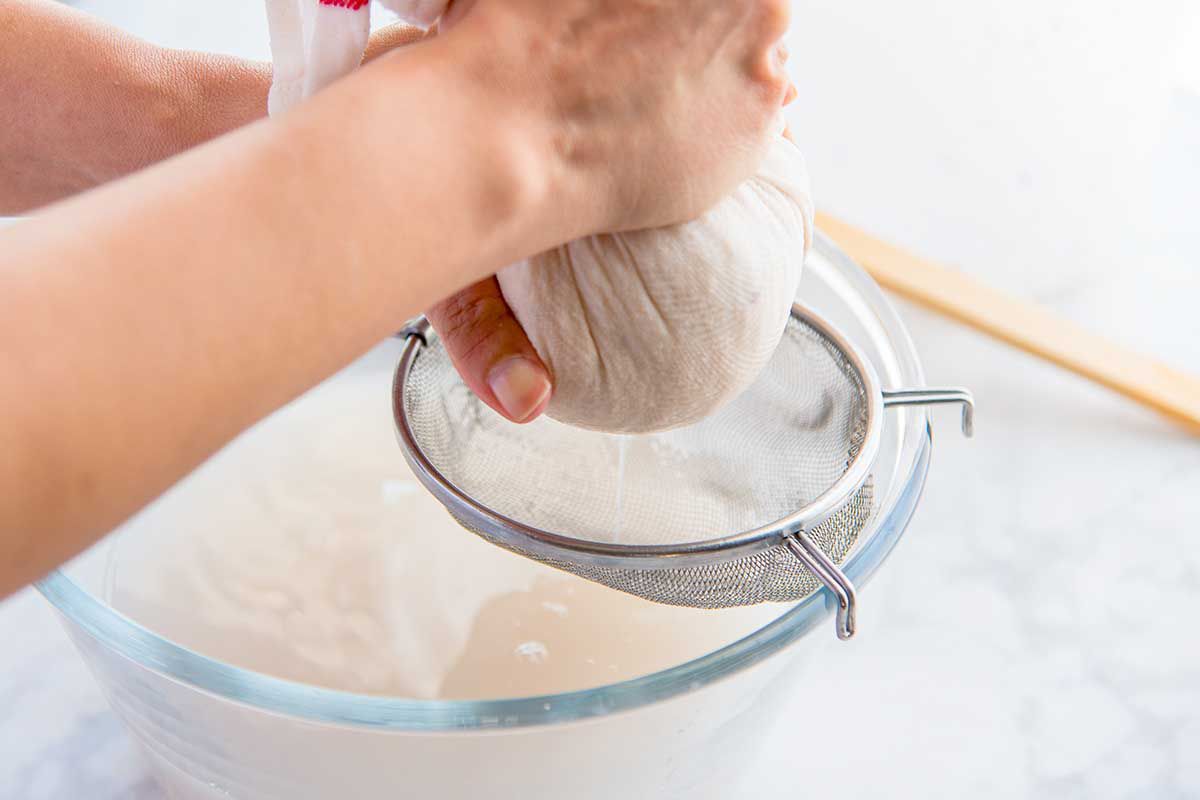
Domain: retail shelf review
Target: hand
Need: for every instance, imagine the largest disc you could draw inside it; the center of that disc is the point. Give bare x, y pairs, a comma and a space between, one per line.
655, 110
663, 108
670, 179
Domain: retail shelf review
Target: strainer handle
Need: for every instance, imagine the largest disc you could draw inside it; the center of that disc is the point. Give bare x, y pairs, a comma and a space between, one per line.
828, 573
923, 397
418, 327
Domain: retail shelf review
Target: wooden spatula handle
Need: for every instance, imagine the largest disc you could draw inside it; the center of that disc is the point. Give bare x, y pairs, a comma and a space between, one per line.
1021, 324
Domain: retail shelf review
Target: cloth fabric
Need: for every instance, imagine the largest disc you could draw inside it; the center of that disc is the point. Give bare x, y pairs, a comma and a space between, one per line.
655, 329
315, 42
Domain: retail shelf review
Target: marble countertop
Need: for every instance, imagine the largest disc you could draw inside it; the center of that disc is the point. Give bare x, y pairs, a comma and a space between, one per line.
1038, 638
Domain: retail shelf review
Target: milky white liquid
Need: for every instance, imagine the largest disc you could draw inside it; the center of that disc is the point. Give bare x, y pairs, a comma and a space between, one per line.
622, 449
307, 550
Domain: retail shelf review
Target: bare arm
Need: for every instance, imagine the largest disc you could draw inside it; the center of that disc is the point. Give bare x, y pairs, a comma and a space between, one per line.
89, 103
82, 103
147, 322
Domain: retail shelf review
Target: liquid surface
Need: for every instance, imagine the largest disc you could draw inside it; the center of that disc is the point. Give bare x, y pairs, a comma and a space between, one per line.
306, 550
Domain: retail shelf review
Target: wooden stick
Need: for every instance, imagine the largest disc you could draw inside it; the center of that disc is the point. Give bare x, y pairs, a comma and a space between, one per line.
1021, 324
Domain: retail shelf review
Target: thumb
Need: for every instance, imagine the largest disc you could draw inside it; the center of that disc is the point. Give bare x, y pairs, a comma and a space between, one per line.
491, 352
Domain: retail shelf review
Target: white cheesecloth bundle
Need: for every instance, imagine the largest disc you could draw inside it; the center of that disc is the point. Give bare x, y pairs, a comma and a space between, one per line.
643, 331
650, 330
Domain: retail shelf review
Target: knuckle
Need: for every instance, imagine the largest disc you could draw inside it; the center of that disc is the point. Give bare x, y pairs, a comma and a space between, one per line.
776, 18
778, 85
771, 84
467, 321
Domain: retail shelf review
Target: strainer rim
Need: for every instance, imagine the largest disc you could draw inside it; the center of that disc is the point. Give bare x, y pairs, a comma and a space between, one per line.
547, 544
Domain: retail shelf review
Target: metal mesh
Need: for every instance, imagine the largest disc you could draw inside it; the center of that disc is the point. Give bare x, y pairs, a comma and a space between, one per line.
768, 454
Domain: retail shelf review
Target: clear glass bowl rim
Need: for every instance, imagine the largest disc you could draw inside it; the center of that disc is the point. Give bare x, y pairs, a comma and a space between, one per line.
146, 649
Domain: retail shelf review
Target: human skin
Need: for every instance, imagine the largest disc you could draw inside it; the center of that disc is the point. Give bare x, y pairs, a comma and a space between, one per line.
150, 320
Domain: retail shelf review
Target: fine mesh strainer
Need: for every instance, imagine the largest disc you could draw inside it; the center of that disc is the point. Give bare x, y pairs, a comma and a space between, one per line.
759, 502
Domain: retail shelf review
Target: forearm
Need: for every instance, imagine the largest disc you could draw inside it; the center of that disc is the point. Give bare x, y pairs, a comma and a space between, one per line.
82, 103
148, 322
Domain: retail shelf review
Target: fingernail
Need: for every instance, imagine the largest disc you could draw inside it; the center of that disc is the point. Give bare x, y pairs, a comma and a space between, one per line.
791, 94
520, 387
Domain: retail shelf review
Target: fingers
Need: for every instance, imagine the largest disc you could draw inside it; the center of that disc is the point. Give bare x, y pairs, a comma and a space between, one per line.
781, 58
491, 351
777, 17
391, 37
781, 53
768, 54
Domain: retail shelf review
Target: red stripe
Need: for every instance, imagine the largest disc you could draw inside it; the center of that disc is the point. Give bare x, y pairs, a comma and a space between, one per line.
353, 5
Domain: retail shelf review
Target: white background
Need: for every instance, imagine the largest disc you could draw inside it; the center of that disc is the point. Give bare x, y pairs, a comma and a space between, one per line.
1040, 635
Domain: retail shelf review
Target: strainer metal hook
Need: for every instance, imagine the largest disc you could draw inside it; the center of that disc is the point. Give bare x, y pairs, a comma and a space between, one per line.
833, 578
830, 575
926, 397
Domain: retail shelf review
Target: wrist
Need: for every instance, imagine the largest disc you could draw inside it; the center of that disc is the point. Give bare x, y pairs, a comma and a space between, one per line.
576, 193
505, 117
437, 106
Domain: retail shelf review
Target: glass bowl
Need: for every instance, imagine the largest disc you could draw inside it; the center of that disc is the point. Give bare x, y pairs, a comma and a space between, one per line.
214, 730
